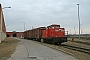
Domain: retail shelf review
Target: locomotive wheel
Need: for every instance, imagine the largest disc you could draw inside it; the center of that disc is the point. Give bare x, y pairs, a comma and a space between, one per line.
42, 40
58, 43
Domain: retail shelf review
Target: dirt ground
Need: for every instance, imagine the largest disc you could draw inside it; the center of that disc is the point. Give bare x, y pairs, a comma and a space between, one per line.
7, 47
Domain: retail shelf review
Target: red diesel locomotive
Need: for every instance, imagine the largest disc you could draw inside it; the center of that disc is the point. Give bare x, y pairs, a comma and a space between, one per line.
50, 34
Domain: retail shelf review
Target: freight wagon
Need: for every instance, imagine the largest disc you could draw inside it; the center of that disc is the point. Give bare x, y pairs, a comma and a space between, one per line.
50, 34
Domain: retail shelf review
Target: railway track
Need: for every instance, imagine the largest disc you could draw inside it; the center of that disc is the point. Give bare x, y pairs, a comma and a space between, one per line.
74, 48
87, 43
83, 42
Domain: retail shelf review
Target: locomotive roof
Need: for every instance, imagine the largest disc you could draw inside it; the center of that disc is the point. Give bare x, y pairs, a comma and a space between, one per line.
40, 28
53, 25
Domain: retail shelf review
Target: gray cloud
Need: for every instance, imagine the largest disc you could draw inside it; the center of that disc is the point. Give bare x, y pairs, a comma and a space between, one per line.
44, 12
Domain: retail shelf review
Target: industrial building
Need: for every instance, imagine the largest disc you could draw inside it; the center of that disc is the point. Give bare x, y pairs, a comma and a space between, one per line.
15, 34
2, 25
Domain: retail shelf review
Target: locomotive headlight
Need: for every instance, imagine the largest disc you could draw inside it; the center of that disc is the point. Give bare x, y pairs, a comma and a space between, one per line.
60, 29
56, 30
63, 30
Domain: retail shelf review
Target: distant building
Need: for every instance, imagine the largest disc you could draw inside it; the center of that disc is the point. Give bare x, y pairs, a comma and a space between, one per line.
2, 25
15, 34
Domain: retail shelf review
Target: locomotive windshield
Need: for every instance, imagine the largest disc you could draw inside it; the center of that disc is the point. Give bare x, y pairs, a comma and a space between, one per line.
55, 26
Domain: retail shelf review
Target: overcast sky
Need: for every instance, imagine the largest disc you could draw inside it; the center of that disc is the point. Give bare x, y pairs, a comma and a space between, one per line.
38, 13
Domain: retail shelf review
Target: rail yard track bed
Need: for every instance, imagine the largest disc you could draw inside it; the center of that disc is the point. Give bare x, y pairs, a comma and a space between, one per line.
83, 41
69, 43
80, 54
78, 50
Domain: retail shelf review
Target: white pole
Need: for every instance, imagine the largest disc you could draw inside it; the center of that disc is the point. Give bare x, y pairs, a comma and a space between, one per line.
79, 21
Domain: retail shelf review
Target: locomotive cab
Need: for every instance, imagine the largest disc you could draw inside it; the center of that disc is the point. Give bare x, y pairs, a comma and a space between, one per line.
54, 34
54, 31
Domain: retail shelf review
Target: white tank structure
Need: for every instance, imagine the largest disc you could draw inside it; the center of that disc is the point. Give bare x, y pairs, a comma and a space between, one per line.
2, 25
